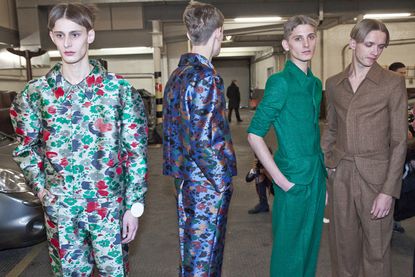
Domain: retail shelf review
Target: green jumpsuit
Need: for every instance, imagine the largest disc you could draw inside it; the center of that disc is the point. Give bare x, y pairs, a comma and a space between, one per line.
291, 104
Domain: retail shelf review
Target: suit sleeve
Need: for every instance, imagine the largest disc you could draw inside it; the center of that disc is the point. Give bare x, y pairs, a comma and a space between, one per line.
274, 99
398, 116
26, 120
328, 139
134, 134
210, 144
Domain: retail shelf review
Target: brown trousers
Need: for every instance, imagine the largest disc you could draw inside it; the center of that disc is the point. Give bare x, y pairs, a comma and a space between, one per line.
358, 244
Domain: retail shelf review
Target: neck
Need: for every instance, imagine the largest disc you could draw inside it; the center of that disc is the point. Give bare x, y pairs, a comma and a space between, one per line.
357, 70
203, 50
75, 73
301, 65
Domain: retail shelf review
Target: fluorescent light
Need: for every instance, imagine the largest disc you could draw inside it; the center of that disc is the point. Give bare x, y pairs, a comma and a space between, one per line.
258, 19
386, 15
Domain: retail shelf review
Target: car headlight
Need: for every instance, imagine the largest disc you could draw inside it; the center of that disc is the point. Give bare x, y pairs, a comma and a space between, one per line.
12, 181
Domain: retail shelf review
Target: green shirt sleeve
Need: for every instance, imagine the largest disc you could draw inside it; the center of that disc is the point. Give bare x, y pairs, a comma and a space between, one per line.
274, 99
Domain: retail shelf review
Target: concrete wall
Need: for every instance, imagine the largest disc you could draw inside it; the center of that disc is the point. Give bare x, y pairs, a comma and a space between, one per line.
328, 59
235, 70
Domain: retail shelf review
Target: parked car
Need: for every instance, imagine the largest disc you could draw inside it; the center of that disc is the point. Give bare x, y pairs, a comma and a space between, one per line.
21, 214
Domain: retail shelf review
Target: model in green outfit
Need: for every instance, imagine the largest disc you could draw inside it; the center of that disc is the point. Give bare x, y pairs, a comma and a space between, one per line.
291, 105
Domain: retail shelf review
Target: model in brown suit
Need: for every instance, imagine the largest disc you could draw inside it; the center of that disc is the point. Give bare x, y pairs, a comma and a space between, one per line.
364, 145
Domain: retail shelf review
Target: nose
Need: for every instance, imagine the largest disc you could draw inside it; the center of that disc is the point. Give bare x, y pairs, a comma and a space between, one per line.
67, 43
306, 42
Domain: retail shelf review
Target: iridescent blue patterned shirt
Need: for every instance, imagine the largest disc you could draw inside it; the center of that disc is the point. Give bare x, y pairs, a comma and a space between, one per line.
197, 141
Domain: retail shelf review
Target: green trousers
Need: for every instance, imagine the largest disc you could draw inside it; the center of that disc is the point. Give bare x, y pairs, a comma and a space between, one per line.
297, 221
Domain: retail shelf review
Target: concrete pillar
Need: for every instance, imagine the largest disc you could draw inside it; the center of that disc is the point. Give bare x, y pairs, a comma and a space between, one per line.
157, 45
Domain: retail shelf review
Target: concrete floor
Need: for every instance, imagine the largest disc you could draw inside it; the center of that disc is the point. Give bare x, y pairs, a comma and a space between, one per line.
248, 242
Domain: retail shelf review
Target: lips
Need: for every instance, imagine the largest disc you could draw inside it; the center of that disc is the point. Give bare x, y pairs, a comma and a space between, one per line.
69, 53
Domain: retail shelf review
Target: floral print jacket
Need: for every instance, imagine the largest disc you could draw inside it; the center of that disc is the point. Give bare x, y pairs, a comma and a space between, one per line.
197, 141
87, 140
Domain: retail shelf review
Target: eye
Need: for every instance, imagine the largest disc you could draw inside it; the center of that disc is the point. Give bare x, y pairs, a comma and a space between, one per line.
75, 35
58, 35
297, 38
312, 36
368, 44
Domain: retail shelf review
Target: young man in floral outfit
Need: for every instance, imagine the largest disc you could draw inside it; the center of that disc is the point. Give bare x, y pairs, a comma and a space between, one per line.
83, 141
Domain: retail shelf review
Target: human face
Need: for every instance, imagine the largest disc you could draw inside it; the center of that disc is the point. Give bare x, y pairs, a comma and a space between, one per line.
72, 40
401, 71
366, 53
301, 43
218, 41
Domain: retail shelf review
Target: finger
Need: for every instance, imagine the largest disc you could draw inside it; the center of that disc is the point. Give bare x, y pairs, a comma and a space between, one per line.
372, 211
124, 229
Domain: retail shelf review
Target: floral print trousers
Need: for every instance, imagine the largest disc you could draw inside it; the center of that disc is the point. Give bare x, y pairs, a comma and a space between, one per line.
83, 234
202, 215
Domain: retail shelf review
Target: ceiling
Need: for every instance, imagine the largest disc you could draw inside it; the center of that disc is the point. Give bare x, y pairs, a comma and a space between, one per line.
329, 13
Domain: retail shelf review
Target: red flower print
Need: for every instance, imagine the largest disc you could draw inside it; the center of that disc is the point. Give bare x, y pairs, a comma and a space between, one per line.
102, 212
59, 92
51, 224
103, 192
110, 163
100, 92
40, 165
118, 170
91, 206
101, 185
98, 80
46, 135
19, 131
90, 80
64, 162
13, 113
51, 110
134, 144
51, 155
87, 104
103, 127
26, 140
132, 126
54, 242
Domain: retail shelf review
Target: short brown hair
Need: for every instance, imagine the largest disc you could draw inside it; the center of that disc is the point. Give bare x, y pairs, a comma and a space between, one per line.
364, 27
81, 14
201, 21
296, 20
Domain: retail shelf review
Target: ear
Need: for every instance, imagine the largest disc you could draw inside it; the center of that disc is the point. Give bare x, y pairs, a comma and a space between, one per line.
91, 36
218, 33
51, 37
352, 44
285, 45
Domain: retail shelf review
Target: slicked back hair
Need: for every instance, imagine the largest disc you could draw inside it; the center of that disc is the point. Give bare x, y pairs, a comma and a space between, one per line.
201, 21
81, 14
296, 20
364, 27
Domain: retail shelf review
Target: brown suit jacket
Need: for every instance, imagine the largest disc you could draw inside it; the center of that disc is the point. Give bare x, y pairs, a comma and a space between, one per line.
369, 126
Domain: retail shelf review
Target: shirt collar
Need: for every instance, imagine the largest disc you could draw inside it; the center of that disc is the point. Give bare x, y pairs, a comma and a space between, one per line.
56, 80
193, 59
374, 73
298, 73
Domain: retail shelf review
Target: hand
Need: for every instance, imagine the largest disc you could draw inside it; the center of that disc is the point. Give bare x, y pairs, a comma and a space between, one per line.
287, 186
129, 227
381, 206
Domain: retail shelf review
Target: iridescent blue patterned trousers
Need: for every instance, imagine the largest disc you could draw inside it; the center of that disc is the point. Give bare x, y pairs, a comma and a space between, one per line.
202, 214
